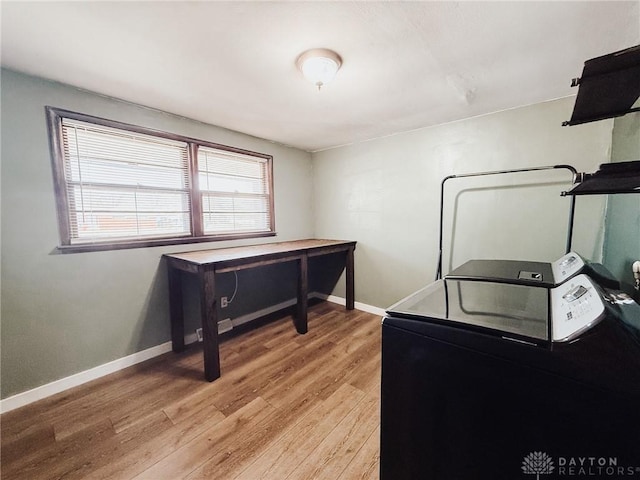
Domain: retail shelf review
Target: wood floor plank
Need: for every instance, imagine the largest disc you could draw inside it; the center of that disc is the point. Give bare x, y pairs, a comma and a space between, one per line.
246, 382
192, 404
77, 415
298, 382
282, 331
85, 397
314, 378
285, 405
366, 463
58, 458
286, 452
133, 461
232, 359
158, 398
367, 376
234, 389
34, 437
349, 330
88, 462
330, 335
327, 380
234, 456
189, 457
339, 447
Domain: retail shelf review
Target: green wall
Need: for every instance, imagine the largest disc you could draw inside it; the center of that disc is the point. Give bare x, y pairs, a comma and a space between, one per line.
622, 232
63, 314
385, 194
66, 313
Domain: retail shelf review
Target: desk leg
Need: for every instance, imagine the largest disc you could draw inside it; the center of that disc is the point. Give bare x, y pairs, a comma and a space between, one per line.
349, 267
209, 318
303, 288
175, 309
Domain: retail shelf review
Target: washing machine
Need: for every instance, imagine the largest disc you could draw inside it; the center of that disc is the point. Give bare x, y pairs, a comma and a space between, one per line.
512, 370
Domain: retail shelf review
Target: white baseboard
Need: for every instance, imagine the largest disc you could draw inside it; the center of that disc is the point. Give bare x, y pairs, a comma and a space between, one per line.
358, 306
57, 386
44, 391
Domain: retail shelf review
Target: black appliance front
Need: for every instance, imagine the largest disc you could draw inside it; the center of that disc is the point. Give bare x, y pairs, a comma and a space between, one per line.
463, 397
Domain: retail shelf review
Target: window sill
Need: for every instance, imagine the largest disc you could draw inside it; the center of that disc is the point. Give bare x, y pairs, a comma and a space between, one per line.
160, 242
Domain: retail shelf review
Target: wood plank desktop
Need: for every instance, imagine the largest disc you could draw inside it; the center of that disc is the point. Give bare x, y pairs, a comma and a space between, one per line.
206, 263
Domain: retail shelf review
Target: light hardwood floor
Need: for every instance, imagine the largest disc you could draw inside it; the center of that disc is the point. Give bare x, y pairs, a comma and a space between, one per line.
287, 406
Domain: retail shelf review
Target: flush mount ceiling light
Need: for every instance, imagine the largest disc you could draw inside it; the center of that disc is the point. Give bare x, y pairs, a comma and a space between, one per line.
319, 65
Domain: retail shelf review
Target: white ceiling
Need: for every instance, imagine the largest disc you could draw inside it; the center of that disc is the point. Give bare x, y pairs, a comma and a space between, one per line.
406, 65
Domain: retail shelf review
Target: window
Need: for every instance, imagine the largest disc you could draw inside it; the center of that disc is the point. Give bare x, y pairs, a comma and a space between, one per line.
235, 192
121, 186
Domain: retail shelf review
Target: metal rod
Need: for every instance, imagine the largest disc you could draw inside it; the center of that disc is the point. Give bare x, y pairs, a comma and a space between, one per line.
573, 171
572, 210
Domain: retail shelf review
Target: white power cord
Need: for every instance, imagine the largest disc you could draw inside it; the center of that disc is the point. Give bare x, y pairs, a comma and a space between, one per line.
235, 290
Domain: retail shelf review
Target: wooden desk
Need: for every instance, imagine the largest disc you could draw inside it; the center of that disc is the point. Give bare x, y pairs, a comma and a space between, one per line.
206, 263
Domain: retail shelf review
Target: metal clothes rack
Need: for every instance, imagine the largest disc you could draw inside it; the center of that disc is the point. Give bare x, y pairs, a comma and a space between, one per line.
501, 172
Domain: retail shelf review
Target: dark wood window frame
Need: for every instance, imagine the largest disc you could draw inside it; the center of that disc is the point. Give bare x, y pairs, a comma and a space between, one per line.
69, 244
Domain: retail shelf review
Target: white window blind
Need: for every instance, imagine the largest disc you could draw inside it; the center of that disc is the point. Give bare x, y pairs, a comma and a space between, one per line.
235, 192
122, 185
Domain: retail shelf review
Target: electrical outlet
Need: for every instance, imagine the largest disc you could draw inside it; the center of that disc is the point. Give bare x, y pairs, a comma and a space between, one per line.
224, 302
199, 334
225, 325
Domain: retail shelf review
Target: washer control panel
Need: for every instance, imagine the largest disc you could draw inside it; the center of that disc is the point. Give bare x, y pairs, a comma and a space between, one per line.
566, 267
576, 306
